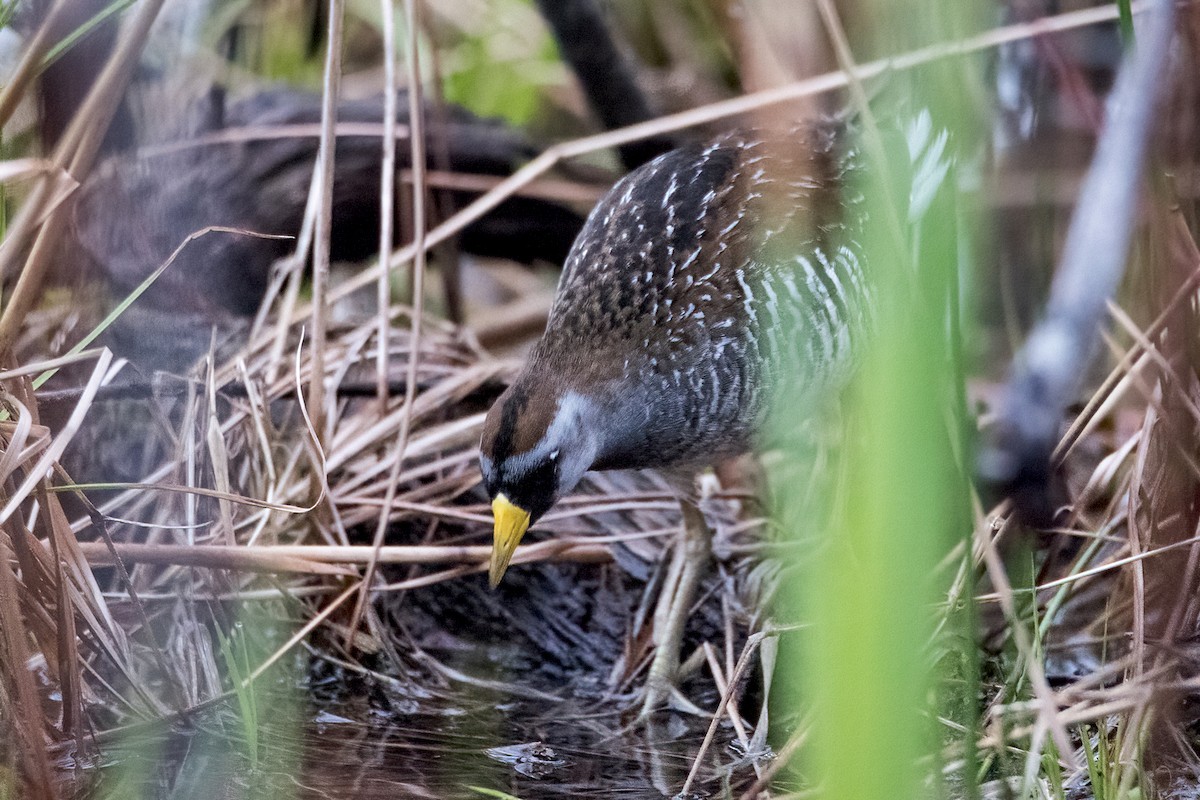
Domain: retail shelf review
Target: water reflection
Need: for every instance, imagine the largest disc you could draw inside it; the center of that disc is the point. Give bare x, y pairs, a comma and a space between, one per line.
525, 749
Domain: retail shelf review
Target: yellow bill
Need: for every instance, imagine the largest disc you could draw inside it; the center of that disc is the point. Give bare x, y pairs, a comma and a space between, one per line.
511, 523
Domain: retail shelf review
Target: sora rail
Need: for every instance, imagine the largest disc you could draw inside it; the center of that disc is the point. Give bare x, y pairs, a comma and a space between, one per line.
690, 280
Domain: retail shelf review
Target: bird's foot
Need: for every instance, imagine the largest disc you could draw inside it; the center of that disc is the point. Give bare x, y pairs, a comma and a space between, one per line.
662, 690
689, 564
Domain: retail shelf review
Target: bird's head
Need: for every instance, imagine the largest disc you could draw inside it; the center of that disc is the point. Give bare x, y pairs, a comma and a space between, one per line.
535, 448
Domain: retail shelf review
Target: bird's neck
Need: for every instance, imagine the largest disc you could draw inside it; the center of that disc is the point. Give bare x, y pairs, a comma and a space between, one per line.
626, 427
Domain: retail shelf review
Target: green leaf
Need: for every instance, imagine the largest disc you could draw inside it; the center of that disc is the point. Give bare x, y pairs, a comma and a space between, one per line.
499, 795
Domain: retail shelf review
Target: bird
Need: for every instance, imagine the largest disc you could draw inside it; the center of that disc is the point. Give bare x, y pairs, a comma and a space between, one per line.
704, 286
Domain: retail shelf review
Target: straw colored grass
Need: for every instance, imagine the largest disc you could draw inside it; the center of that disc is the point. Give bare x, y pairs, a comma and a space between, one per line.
261, 496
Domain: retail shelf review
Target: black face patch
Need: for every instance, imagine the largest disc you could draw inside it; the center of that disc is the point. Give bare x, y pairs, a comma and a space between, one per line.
534, 490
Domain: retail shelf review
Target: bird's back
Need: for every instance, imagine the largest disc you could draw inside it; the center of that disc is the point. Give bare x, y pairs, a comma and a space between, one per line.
697, 270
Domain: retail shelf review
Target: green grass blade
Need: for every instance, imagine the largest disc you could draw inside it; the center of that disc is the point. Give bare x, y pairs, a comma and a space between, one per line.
1125, 21
74, 37
496, 793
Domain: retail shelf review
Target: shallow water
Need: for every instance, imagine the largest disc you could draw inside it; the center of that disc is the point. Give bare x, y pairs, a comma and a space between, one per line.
524, 749
521, 701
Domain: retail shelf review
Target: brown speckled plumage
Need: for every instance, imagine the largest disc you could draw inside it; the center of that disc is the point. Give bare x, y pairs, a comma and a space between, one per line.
691, 274
709, 285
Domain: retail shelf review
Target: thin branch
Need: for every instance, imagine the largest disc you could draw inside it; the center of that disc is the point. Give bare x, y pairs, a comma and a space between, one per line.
31, 60
416, 114
735, 681
327, 559
387, 196
324, 227
1050, 367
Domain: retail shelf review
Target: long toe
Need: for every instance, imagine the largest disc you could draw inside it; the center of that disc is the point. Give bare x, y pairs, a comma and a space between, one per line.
676, 600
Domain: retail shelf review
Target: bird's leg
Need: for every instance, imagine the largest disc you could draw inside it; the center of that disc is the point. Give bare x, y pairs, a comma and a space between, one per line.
694, 548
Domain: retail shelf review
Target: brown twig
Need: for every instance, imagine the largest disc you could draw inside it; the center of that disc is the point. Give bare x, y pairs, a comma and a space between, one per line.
324, 223
387, 195
735, 682
311, 559
416, 112
31, 59
27, 717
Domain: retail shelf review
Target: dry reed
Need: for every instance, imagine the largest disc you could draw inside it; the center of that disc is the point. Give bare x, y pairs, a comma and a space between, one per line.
228, 512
